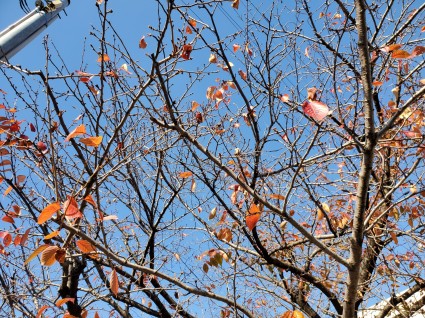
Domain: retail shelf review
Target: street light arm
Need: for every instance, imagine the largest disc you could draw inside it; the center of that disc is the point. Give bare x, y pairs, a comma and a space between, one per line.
19, 34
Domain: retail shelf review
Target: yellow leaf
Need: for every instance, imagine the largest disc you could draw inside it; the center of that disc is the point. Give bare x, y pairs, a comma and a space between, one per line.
92, 141
51, 235
48, 212
35, 253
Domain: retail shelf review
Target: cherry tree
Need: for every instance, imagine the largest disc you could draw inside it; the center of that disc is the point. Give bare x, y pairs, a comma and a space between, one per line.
241, 160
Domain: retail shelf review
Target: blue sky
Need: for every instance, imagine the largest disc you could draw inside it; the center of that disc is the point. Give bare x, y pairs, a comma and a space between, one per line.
68, 33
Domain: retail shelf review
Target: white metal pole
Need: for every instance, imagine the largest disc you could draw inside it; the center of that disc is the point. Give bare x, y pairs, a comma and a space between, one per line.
20, 33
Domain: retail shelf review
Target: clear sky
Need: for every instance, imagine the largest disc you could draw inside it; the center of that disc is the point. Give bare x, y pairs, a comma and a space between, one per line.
68, 33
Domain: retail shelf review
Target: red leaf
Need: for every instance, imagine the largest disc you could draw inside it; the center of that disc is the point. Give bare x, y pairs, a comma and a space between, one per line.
315, 109
236, 47
188, 30
32, 128
70, 207
419, 50
113, 282
7, 239
187, 49
25, 237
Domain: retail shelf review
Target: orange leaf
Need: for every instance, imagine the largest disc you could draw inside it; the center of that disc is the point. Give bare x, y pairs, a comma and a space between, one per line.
192, 22
90, 200
377, 83
8, 219
96, 315
277, 196
188, 30
103, 58
243, 75
391, 48
70, 207
34, 254
252, 216
41, 310
48, 255
10, 188
51, 235
400, 54
235, 4
63, 301
113, 282
284, 98
80, 130
142, 43
85, 246
185, 174
236, 47
194, 105
48, 212
92, 141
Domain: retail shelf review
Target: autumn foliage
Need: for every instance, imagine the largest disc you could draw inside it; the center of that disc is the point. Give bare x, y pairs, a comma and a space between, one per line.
231, 160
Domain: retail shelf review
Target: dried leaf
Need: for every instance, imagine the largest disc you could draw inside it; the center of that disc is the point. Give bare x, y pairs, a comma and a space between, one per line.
142, 43
113, 282
394, 237
90, 200
235, 4
243, 75
187, 49
213, 58
194, 105
48, 212
284, 98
